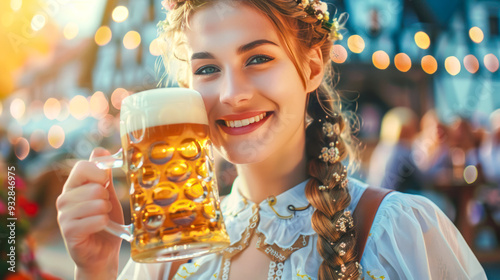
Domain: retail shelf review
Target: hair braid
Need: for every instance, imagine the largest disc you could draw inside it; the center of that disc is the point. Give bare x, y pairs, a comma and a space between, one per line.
331, 202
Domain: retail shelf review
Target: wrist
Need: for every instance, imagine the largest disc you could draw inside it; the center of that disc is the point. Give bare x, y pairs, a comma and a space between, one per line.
101, 270
94, 273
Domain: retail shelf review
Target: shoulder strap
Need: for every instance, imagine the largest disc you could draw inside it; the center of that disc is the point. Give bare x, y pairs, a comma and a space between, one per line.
174, 267
364, 214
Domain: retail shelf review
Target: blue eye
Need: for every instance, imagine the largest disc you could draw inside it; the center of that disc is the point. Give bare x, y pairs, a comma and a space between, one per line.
259, 59
206, 70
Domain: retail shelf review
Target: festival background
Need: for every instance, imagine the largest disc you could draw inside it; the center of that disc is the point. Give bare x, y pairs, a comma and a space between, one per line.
422, 76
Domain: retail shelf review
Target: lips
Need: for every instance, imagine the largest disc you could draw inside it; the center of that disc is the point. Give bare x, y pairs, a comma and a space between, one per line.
243, 123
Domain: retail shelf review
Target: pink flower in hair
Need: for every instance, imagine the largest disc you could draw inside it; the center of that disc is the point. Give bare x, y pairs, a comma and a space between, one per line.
168, 4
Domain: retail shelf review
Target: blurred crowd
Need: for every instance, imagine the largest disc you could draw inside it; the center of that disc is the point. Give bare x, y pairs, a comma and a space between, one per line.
442, 161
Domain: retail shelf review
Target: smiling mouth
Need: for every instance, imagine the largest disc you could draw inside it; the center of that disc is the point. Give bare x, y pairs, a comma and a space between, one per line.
244, 122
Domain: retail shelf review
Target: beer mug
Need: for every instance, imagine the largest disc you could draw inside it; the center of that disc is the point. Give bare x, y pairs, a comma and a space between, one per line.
168, 159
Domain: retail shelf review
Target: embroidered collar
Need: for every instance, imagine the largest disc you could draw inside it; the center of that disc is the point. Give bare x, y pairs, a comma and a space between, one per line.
236, 202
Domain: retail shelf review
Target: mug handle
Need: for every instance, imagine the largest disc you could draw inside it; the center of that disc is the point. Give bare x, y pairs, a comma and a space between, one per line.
110, 162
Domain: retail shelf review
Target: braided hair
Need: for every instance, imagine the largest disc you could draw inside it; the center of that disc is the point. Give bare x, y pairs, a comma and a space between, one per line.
326, 191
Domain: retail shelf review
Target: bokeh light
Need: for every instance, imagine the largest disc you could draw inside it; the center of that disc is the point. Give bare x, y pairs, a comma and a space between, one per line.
356, 43
38, 22
471, 63
17, 108
99, 106
381, 60
21, 148
491, 62
70, 31
429, 64
14, 131
103, 35
52, 108
338, 54
157, 46
120, 14
402, 62
106, 125
16, 5
56, 136
38, 140
132, 40
476, 34
452, 65
79, 107
470, 174
422, 40
64, 114
117, 96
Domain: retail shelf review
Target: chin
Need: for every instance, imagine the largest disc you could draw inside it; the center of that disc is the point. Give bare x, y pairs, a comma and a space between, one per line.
242, 155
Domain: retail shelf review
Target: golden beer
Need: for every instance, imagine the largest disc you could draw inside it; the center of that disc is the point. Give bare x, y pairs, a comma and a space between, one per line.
173, 193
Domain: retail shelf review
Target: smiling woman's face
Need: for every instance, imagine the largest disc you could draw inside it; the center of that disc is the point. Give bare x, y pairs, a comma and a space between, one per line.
254, 96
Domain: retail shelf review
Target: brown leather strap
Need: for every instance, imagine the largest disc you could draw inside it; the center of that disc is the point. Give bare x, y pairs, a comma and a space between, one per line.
364, 214
174, 267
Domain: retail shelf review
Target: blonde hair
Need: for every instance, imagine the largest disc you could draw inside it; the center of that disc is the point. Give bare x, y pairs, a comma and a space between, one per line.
298, 32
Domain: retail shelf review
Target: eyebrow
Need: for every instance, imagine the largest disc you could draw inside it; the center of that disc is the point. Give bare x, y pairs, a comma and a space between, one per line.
242, 49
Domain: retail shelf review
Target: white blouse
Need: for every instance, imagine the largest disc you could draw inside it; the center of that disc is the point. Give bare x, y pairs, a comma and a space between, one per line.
410, 239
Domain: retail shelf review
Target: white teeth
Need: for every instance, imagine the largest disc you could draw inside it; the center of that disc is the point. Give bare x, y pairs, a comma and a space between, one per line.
245, 122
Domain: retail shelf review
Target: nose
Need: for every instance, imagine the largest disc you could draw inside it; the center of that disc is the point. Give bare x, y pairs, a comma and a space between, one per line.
235, 90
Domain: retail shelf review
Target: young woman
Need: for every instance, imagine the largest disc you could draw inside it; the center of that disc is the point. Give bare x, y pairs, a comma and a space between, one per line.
266, 58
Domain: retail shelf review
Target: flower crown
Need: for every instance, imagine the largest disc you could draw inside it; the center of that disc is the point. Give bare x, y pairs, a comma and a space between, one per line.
315, 8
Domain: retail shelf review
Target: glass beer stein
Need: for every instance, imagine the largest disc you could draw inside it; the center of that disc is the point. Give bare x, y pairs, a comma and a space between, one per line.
167, 156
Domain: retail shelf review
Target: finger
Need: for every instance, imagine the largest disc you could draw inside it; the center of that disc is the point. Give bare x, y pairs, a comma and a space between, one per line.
84, 172
101, 152
86, 209
85, 226
86, 192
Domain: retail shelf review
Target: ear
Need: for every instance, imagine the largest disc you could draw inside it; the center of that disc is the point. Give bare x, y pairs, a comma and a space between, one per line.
314, 69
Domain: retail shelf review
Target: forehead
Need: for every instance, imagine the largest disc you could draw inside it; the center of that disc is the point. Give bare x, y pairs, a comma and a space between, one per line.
224, 25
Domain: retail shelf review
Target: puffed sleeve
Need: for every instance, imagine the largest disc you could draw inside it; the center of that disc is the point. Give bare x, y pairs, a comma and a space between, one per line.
145, 271
411, 238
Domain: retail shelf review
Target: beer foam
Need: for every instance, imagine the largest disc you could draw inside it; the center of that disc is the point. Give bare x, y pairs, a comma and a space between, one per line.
161, 106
